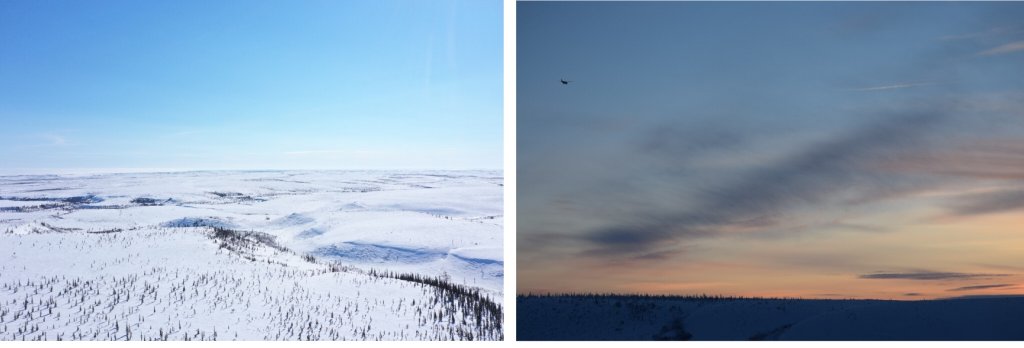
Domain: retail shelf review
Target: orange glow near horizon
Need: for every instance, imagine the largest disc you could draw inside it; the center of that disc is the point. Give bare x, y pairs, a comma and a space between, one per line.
987, 247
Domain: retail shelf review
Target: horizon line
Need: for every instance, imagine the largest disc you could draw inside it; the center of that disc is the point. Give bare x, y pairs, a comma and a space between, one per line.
736, 297
92, 171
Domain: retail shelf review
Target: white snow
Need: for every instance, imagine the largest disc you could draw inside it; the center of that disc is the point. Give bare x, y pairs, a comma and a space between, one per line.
73, 249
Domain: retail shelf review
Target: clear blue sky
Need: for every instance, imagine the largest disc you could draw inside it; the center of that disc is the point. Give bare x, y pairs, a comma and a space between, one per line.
250, 84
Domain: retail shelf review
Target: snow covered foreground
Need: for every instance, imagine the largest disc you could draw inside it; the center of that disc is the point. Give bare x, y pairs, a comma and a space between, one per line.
633, 318
252, 256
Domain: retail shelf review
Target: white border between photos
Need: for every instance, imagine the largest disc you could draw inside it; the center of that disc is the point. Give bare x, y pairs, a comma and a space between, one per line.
510, 168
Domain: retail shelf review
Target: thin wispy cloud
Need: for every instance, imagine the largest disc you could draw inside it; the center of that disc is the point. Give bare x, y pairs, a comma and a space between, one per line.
964, 36
987, 202
1003, 49
333, 152
892, 86
55, 139
45, 140
980, 34
989, 159
1002, 267
980, 287
185, 133
930, 276
315, 152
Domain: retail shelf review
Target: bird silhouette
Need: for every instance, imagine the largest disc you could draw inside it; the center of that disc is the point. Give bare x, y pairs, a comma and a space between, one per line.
564, 82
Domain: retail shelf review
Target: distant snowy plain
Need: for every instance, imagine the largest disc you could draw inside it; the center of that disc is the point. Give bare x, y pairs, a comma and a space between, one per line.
252, 255
632, 318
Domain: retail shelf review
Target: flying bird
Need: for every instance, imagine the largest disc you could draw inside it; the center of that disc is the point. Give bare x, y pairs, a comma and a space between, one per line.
564, 82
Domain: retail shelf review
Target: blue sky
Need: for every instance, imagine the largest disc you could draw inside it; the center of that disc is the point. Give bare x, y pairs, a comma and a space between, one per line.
251, 84
769, 148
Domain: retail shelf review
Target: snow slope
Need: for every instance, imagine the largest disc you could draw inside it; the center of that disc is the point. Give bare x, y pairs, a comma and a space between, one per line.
639, 318
246, 255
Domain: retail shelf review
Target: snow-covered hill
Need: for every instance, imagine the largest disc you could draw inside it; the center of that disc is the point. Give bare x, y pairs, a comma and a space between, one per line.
251, 255
682, 318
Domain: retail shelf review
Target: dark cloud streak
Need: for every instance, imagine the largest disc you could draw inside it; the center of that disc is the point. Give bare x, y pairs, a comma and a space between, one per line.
930, 276
805, 177
980, 287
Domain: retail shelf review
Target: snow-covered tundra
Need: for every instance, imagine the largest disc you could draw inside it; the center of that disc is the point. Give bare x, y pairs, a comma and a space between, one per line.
275, 255
610, 317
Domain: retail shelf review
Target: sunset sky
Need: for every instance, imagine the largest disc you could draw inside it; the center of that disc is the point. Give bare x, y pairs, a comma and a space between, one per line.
820, 150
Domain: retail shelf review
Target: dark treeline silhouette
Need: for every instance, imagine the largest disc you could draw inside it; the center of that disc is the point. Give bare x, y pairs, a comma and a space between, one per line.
231, 239
32, 208
65, 204
642, 296
73, 199
148, 202
482, 310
